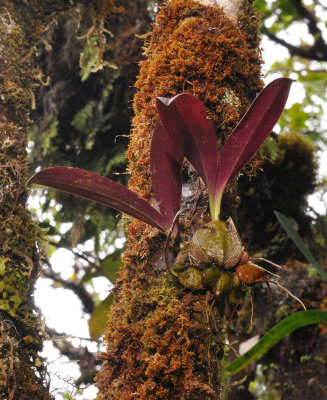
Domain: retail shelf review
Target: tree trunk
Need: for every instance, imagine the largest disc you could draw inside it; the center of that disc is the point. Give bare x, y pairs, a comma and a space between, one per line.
22, 374
163, 340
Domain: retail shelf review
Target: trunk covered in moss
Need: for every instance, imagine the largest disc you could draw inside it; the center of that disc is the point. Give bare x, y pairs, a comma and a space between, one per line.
22, 374
165, 341
22, 28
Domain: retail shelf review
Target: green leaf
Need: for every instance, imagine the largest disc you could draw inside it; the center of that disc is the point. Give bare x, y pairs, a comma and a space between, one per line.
260, 5
111, 265
98, 319
279, 331
298, 117
286, 224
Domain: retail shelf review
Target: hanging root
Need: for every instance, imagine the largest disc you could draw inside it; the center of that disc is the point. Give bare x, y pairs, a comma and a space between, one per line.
269, 290
286, 290
232, 315
252, 308
265, 260
266, 270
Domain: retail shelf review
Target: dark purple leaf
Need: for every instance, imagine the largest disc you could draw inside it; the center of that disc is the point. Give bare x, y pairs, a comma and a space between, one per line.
97, 188
251, 132
166, 173
184, 119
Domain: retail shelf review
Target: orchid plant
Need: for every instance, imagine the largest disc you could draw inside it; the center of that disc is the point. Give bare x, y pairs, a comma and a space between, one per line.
183, 130
94, 187
184, 119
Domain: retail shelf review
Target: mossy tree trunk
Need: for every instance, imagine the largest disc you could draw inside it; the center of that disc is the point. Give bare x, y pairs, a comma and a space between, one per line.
165, 341
22, 374
22, 25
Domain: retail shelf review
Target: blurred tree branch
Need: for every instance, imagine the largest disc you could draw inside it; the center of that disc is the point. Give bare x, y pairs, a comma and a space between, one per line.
318, 51
74, 286
85, 359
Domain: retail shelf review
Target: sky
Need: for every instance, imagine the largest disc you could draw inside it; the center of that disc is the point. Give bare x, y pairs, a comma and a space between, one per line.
62, 309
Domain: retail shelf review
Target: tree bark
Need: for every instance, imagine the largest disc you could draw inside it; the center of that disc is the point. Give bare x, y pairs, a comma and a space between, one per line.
165, 341
22, 374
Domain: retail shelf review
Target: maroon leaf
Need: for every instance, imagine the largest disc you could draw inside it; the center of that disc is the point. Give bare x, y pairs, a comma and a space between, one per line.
166, 173
97, 188
184, 119
250, 133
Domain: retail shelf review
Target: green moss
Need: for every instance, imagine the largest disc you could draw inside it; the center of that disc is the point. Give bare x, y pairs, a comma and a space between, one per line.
19, 235
22, 25
20, 327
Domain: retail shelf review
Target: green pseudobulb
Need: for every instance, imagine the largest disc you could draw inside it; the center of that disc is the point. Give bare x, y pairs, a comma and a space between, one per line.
218, 243
210, 276
223, 285
189, 277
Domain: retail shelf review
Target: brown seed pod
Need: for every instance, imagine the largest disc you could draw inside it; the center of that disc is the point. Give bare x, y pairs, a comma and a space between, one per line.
217, 242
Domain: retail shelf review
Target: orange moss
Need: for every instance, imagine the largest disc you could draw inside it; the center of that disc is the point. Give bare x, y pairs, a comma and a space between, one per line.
163, 341
194, 48
152, 340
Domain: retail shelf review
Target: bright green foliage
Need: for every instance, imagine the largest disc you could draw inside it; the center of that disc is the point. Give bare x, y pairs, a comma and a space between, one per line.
282, 12
89, 59
108, 267
111, 265
278, 332
305, 117
285, 222
98, 319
